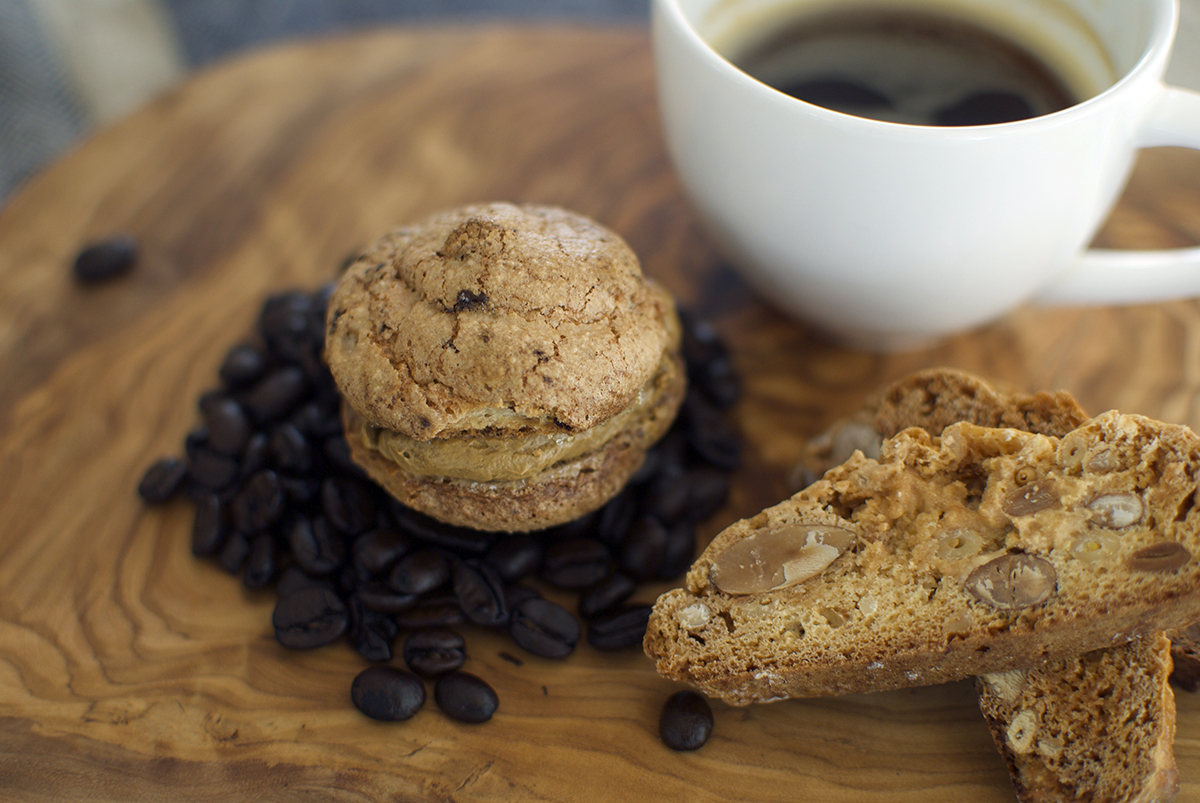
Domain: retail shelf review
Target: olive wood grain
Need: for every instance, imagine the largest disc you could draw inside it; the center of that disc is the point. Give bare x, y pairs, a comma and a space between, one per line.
131, 671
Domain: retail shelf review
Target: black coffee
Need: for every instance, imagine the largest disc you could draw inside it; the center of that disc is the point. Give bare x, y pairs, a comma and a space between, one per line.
906, 67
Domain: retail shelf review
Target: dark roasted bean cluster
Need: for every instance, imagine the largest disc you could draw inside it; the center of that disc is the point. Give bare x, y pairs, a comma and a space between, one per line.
279, 502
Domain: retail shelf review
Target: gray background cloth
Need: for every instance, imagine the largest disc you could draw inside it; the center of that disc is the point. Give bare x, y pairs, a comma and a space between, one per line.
70, 66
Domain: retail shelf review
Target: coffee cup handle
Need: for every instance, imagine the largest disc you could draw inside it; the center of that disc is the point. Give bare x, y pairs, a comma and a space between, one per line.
1107, 276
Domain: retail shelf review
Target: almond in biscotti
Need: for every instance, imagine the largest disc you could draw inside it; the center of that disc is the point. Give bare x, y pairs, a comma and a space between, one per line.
980, 551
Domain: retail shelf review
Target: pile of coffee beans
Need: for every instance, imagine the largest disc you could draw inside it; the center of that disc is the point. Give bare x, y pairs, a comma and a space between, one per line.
279, 503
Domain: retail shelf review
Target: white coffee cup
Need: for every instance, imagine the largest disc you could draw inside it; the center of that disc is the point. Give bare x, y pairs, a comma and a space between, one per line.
888, 236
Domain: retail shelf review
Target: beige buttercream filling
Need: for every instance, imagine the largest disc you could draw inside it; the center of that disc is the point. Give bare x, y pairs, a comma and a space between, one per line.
489, 458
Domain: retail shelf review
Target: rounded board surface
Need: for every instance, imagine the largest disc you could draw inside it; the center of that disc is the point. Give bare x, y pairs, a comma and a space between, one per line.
131, 670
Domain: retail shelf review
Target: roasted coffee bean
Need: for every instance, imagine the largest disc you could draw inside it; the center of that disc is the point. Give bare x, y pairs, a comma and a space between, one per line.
480, 594
465, 697
701, 342
234, 552
644, 549
293, 579
337, 451
423, 528
515, 556
711, 435
262, 562
377, 551
387, 693
434, 651
686, 721
287, 325
378, 597
719, 382
616, 517
256, 455
575, 564
228, 426
680, 551
274, 396
420, 572
212, 470
106, 259
315, 546
606, 595
259, 503
243, 364
300, 489
290, 450
371, 632
309, 618
649, 468
195, 440
317, 420
209, 527
348, 504
162, 480
666, 496
544, 628
708, 490
441, 611
622, 628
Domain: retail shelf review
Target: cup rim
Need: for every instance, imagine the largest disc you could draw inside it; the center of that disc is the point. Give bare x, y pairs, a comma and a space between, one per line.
1162, 36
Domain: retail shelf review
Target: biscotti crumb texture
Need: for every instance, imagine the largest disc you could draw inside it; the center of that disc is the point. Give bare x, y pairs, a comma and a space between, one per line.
981, 551
1098, 726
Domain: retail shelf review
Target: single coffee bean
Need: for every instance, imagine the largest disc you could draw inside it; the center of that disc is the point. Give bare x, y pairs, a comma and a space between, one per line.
666, 496
708, 490
701, 342
300, 489
480, 594
285, 324
293, 579
420, 572
437, 611
711, 435
234, 552
377, 551
162, 480
348, 504
648, 470
243, 364
434, 651
644, 549
371, 632
387, 693
315, 546
274, 396
228, 426
575, 564
262, 562
106, 259
209, 528
317, 420
606, 595
465, 697
616, 517
680, 550
256, 454
619, 629
290, 449
259, 503
515, 556
462, 540
195, 440
686, 721
378, 597
310, 618
719, 382
212, 470
544, 628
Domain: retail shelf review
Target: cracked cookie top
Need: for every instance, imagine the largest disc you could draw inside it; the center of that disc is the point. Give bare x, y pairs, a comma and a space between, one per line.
497, 318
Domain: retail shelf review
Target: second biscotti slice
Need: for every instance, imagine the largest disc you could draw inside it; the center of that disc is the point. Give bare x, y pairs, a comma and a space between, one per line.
980, 551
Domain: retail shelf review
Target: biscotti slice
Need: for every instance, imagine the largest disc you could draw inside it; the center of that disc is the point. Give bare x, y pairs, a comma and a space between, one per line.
1098, 726
984, 550
933, 399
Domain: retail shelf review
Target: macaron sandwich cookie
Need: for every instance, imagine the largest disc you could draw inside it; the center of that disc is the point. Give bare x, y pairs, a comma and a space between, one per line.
503, 367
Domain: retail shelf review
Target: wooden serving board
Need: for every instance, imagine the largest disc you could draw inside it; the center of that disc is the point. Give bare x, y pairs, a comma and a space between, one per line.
131, 671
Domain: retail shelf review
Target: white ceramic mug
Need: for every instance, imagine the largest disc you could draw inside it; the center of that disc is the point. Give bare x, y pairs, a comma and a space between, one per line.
887, 235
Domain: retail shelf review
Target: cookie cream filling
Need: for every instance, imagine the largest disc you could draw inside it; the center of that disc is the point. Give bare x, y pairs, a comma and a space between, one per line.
491, 458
